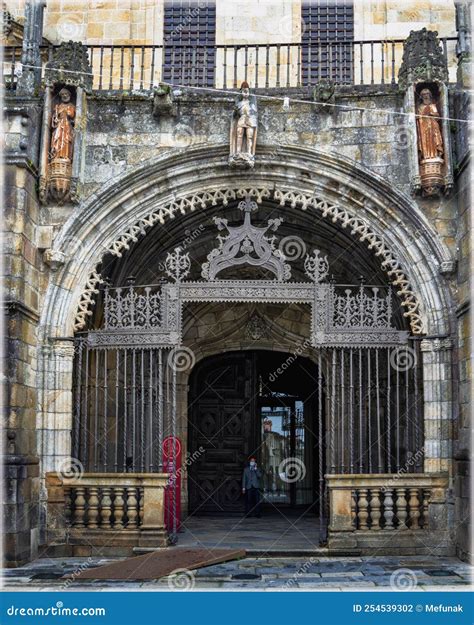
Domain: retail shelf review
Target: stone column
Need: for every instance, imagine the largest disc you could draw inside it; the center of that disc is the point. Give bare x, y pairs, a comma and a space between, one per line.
55, 416
30, 80
438, 404
463, 49
45, 144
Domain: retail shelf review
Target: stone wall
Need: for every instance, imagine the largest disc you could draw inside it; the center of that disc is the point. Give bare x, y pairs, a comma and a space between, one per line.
23, 285
122, 134
238, 21
463, 426
246, 22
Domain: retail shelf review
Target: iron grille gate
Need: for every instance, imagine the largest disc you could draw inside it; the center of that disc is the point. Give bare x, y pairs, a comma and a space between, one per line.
369, 413
369, 417
122, 397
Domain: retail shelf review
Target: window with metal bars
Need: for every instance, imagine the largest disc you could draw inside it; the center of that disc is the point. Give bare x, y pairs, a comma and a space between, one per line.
327, 41
189, 42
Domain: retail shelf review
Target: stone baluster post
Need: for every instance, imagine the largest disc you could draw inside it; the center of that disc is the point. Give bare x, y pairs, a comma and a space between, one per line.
79, 507
119, 508
414, 507
401, 504
106, 507
132, 511
363, 509
426, 503
93, 507
388, 513
375, 513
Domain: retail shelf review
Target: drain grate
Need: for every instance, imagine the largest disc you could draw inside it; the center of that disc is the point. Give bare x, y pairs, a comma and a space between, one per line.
440, 573
52, 575
246, 576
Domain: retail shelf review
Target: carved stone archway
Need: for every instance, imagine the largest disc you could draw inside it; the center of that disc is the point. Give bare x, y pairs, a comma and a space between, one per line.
389, 223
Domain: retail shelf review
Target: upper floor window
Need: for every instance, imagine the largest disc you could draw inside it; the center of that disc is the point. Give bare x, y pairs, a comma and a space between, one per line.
189, 42
327, 41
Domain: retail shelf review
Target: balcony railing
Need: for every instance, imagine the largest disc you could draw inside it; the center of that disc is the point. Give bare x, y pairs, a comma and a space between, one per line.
117, 511
143, 67
365, 509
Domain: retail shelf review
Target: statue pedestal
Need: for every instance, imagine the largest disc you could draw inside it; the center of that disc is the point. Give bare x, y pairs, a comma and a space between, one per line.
60, 172
242, 159
432, 176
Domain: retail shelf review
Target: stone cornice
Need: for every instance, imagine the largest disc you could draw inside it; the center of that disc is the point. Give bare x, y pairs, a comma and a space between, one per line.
15, 307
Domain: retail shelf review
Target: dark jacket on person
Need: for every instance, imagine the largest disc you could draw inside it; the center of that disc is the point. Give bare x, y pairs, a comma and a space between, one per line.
251, 478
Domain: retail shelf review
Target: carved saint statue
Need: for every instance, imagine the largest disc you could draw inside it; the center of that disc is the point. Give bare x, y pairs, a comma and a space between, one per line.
243, 129
62, 147
430, 144
62, 122
430, 140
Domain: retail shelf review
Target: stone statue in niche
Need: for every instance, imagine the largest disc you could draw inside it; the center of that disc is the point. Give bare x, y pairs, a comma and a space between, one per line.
430, 143
62, 145
243, 129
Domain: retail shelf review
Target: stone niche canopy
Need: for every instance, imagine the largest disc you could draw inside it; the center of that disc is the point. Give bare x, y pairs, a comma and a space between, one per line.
423, 59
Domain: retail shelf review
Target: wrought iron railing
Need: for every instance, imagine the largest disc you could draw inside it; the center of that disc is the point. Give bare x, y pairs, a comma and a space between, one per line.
278, 65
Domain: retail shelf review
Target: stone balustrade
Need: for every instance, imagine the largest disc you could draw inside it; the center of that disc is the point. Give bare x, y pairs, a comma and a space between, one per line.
365, 509
129, 506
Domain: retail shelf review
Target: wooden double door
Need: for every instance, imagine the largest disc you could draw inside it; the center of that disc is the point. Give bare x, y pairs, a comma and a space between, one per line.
226, 416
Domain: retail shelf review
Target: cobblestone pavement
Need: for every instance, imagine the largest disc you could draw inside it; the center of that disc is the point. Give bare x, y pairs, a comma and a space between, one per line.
271, 532
420, 573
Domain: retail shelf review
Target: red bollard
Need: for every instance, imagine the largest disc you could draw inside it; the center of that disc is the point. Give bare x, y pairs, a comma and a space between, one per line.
172, 465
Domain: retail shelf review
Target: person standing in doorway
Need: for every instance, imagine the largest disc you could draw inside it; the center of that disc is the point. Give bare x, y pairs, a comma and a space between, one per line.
251, 488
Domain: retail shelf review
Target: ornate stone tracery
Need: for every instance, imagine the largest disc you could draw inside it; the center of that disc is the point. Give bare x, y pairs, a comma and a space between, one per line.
246, 244
358, 227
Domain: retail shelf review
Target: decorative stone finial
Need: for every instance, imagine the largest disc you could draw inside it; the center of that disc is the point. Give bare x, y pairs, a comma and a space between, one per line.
69, 66
246, 245
423, 59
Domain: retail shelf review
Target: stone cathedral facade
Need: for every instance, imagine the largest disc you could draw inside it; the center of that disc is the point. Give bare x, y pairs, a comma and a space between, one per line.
236, 228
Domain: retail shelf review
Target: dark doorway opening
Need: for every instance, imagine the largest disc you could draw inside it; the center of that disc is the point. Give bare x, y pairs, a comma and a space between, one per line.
260, 403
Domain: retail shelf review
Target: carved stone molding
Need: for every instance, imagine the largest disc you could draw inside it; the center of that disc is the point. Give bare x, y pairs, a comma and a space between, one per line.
87, 300
447, 267
163, 102
436, 345
256, 328
54, 258
358, 227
